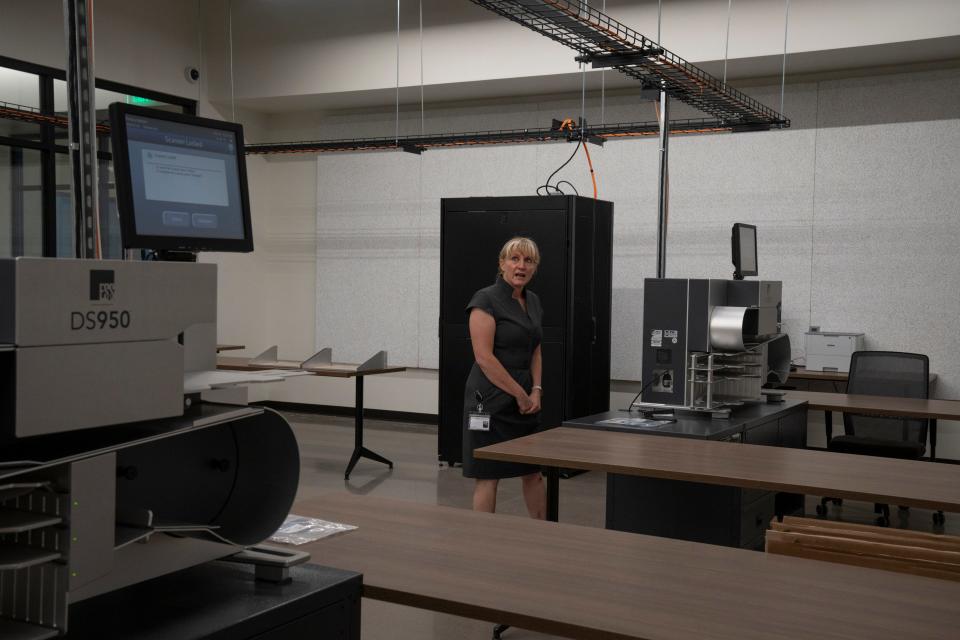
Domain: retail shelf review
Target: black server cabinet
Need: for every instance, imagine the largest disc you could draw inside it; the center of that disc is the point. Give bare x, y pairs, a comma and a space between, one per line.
575, 236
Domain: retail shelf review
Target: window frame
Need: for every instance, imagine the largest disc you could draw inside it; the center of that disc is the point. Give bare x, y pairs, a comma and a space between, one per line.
48, 146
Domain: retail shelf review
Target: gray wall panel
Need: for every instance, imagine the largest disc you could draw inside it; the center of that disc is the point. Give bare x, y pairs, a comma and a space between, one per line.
367, 246
885, 232
905, 97
898, 171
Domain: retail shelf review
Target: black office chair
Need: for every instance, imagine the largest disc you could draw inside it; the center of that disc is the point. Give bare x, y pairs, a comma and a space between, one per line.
885, 373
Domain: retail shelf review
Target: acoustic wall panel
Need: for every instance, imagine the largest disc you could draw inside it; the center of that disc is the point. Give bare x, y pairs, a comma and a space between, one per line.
480, 171
903, 97
885, 239
367, 256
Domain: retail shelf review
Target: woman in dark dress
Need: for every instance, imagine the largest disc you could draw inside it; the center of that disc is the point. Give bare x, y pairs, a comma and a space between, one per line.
505, 330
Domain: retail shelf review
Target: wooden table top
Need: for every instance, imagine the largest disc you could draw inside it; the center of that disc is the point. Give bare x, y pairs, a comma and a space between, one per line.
879, 405
585, 582
334, 370
825, 473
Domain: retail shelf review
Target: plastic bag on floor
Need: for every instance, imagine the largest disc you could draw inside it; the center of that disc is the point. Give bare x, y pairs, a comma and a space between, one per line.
301, 530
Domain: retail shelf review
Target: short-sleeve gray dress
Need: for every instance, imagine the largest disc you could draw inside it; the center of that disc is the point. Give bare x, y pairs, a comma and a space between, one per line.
518, 334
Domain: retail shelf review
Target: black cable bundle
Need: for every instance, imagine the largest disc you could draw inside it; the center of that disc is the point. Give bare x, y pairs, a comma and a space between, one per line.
556, 188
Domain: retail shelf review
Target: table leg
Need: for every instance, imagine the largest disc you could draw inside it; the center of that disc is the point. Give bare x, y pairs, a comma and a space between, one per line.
553, 493
933, 439
828, 420
360, 451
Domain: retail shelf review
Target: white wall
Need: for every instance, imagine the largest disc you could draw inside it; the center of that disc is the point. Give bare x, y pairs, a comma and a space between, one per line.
145, 44
341, 50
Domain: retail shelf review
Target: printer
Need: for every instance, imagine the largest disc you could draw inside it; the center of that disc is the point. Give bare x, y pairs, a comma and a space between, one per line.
831, 350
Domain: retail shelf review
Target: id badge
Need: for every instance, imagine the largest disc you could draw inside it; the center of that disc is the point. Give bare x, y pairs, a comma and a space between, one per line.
479, 421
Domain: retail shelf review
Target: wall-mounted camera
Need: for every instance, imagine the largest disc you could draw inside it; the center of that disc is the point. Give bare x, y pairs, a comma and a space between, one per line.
192, 74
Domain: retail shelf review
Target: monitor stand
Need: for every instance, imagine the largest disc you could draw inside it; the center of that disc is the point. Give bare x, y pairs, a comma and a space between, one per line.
168, 255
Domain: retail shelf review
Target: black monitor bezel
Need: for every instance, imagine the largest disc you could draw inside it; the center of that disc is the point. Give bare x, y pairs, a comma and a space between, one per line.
736, 257
129, 236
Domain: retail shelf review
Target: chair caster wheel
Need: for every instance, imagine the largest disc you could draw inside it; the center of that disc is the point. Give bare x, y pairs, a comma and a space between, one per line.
821, 510
883, 521
498, 631
939, 518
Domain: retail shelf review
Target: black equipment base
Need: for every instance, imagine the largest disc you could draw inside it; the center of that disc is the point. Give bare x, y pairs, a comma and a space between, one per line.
220, 601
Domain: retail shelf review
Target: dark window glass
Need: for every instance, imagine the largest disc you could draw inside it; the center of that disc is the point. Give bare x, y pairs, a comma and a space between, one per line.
21, 213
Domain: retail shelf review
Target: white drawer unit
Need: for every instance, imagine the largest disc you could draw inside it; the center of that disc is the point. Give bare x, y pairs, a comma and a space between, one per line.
830, 351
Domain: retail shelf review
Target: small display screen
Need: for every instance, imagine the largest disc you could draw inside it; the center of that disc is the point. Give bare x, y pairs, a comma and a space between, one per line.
748, 249
744, 250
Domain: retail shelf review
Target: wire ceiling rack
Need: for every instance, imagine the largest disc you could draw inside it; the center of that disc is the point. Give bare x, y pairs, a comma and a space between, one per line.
21, 113
600, 41
604, 42
420, 143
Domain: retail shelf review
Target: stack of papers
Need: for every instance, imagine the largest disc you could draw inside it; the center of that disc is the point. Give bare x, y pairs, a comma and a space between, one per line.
644, 423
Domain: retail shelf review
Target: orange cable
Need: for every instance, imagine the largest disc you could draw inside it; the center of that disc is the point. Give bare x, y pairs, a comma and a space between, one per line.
593, 176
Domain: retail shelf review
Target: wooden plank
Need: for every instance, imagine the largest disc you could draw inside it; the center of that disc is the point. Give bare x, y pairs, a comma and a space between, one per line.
903, 482
917, 553
839, 543
777, 545
869, 532
585, 582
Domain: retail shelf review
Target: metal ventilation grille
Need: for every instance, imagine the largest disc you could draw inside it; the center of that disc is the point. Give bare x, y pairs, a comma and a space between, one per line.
604, 42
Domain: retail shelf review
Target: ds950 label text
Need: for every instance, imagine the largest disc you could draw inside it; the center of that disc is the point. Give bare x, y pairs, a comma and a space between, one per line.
96, 320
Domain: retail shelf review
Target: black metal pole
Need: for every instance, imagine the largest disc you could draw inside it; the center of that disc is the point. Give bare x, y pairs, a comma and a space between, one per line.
664, 118
48, 172
78, 29
16, 202
553, 493
358, 415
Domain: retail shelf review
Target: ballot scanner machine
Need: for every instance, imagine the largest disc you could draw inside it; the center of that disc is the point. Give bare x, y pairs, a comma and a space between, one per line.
114, 468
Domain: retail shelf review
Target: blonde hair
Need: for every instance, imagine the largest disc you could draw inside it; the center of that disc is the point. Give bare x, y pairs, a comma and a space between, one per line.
526, 247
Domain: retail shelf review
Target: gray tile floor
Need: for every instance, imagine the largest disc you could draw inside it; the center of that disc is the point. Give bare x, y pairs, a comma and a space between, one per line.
325, 446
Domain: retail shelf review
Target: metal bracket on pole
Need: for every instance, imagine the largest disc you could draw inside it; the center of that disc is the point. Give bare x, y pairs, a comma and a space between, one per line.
78, 30
664, 118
